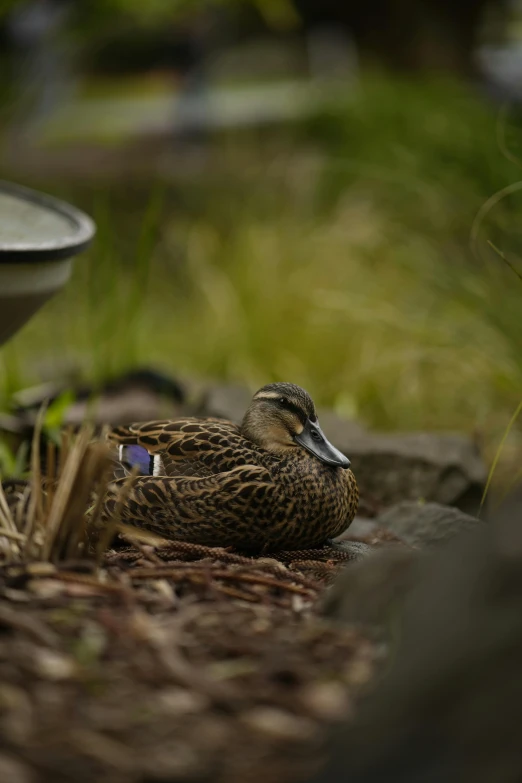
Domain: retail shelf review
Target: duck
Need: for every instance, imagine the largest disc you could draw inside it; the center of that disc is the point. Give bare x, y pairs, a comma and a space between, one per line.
274, 482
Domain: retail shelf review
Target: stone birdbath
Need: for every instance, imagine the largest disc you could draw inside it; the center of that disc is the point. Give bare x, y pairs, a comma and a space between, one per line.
39, 235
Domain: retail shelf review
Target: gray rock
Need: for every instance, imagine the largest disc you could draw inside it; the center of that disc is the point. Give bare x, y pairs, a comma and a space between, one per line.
226, 401
341, 432
443, 468
125, 407
356, 550
138, 395
425, 524
360, 528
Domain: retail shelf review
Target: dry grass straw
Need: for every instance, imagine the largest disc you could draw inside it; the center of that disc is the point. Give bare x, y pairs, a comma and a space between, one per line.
57, 516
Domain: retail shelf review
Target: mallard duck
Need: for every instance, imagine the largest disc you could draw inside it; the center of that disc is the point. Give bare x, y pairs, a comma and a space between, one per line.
274, 482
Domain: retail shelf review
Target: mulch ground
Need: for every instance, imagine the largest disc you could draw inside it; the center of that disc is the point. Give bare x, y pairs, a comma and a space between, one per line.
173, 663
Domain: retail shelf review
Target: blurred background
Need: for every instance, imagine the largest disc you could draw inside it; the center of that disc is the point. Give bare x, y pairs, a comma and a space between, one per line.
319, 191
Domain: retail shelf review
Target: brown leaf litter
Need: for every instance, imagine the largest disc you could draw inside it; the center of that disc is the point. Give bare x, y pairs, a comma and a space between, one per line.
172, 662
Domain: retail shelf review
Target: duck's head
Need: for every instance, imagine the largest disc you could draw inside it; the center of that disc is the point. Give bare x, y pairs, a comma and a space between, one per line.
282, 417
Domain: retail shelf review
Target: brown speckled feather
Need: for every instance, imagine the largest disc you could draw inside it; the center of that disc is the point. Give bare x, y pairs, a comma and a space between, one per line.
191, 446
221, 489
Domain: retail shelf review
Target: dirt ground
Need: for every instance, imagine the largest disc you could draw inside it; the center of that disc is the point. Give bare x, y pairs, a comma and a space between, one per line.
173, 663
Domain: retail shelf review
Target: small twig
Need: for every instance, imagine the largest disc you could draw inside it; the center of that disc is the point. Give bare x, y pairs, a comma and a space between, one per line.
148, 553
9, 529
200, 551
5, 512
35, 509
12, 618
51, 472
12, 536
278, 569
219, 573
112, 524
88, 581
55, 527
233, 592
224, 695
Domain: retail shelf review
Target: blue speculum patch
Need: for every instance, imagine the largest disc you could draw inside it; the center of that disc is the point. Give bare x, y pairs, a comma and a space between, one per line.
136, 457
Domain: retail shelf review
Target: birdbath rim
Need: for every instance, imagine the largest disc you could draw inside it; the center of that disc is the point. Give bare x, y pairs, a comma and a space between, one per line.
36, 227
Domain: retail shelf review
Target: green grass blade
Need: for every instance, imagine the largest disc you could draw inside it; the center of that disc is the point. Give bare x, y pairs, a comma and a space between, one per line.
498, 453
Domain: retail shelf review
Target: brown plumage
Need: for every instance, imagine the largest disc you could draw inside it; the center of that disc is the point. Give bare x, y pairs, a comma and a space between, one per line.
274, 482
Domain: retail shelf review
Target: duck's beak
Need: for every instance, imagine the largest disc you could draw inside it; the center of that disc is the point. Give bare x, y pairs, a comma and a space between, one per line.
313, 439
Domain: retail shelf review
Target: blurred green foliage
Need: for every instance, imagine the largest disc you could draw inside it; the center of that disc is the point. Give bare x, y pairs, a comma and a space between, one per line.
429, 153
93, 16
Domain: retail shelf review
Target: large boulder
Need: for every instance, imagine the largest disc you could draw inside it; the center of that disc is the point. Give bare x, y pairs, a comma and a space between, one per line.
370, 591
449, 706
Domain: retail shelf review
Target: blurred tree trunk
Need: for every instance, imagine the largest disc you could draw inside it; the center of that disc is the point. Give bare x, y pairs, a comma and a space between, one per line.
409, 34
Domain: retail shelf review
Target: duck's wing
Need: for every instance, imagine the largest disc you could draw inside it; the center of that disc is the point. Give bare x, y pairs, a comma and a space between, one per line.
199, 510
186, 447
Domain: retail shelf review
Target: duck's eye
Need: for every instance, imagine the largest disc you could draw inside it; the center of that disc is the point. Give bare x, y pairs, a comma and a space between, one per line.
283, 401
